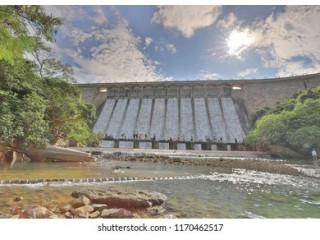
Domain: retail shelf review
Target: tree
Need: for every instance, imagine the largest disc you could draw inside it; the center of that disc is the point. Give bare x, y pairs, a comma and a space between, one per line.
47, 66
36, 106
67, 115
296, 126
14, 34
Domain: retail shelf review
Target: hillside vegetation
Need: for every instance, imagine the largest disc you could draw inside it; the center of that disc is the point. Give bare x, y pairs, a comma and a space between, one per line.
294, 123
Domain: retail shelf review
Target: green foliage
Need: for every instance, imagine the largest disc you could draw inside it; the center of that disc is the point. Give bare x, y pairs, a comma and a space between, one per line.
13, 47
309, 134
57, 69
48, 67
31, 120
22, 120
38, 105
19, 78
294, 123
68, 116
14, 35
288, 105
16, 19
22, 109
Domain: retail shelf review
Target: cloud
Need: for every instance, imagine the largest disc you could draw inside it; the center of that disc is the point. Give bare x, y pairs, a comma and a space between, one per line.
155, 62
171, 48
76, 35
168, 79
228, 21
287, 39
66, 13
99, 16
209, 75
107, 53
248, 71
164, 46
298, 68
148, 41
186, 19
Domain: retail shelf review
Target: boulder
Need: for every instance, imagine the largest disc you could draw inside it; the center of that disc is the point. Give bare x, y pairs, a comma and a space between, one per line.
65, 208
83, 211
41, 212
81, 201
94, 214
19, 211
99, 207
18, 199
156, 210
68, 215
15, 216
116, 213
54, 209
30, 213
123, 198
60, 154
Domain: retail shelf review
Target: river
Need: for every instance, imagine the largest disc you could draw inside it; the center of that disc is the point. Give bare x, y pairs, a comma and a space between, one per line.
192, 191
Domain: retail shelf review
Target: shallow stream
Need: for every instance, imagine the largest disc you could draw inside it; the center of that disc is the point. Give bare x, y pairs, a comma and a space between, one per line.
192, 191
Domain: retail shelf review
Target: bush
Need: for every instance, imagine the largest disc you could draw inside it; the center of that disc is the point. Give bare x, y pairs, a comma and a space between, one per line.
294, 123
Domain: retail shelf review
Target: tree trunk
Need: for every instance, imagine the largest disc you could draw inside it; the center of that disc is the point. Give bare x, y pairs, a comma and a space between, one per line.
14, 158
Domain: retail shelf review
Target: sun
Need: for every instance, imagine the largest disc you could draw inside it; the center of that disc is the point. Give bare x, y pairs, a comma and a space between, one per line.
238, 41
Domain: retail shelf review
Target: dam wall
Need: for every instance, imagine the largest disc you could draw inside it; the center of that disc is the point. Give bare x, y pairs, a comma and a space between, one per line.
189, 119
218, 111
254, 93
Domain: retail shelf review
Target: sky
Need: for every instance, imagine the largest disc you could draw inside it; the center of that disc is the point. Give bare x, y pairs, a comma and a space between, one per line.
164, 43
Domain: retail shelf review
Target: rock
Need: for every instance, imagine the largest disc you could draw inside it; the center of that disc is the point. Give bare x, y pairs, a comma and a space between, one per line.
41, 212
65, 208
94, 214
15, 216
99, 207
53, 216
18, 199
68, 215
169, 216
81, 201
156, 210
30, 213
61, 154
120, 167
5, 215
123, 198
54, 209
116, 213
83, 211
19, 211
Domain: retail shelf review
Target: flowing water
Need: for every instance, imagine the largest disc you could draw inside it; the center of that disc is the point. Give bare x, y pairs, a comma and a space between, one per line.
192, 191
187, 117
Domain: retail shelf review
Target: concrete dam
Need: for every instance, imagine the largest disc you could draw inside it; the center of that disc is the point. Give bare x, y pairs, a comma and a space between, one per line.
185, 114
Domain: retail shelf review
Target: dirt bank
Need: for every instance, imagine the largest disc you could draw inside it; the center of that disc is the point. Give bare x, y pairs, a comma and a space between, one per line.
257, 165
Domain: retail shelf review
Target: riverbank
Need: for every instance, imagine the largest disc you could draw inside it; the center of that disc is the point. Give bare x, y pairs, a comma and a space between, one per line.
262, 165
177, 153
250, 160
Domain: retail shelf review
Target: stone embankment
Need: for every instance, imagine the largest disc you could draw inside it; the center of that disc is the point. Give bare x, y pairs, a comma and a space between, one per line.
101, 203
251, 164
